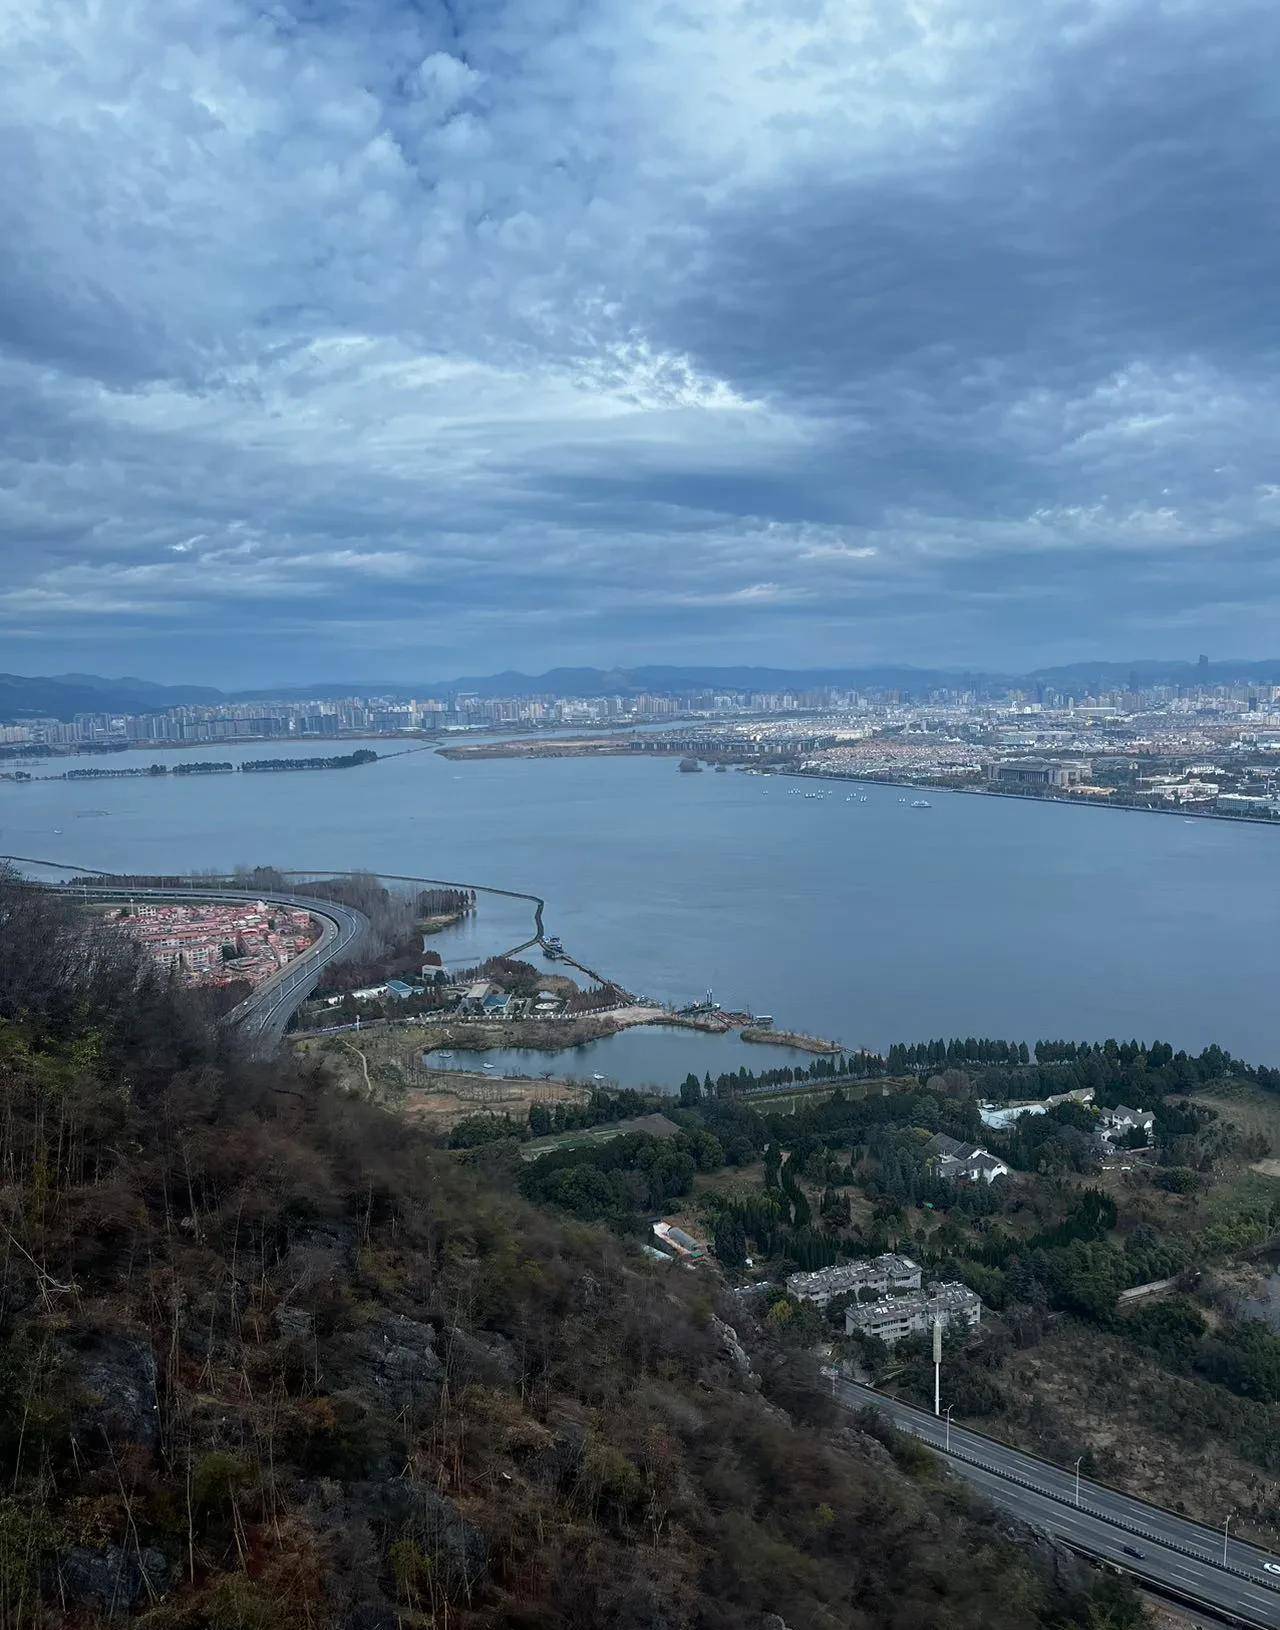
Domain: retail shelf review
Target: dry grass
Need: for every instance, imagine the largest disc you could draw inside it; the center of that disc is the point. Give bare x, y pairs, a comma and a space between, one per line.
1083, 1389
387, 1066
1250, 1108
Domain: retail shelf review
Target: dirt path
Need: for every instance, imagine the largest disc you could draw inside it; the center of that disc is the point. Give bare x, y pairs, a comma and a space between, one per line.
364, 1064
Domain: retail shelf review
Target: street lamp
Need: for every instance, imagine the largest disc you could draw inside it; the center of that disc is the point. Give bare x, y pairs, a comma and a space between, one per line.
1226, 1528
1078, 1482
947, 1412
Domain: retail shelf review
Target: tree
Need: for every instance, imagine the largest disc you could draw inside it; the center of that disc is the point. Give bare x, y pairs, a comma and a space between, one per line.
730, 1243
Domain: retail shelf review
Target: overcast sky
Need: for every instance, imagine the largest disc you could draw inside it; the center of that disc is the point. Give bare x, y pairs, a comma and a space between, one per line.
400, 340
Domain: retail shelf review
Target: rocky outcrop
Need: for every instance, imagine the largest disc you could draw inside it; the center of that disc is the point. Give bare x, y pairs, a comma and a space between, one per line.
109, 1580
364, 1520
115, 1377
393, 1362
490, 1360
732, 1348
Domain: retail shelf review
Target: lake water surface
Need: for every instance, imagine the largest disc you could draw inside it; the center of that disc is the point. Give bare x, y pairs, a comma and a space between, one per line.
643, 1056
869, 922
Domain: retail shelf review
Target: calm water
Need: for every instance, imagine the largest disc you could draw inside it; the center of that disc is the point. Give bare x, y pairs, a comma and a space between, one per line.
645, 1056
869, 922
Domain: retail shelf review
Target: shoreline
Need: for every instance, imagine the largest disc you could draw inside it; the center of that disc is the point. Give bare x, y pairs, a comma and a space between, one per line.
1187, 814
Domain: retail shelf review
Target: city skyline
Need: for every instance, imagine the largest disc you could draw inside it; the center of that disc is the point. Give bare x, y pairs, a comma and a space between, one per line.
68, 695
799, 333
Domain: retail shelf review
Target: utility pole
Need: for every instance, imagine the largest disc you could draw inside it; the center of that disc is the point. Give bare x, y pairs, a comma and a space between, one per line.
1078, 1481
1226, 1528
947, 1412
937, 1366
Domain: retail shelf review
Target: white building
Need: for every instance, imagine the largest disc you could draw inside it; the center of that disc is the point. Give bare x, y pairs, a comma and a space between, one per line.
1116, 1122
887, 1275
952, 1305
999, 1116
964, 1162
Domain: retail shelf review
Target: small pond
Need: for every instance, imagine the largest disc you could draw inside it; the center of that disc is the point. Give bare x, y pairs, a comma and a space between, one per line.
654, 1056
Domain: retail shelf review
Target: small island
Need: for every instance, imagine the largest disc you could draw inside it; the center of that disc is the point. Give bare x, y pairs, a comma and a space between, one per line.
340, 761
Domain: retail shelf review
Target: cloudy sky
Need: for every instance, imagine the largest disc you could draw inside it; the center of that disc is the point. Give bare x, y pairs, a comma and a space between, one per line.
405, 339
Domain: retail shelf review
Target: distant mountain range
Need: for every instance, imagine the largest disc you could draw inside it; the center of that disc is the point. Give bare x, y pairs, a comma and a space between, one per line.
893, 676
61, 696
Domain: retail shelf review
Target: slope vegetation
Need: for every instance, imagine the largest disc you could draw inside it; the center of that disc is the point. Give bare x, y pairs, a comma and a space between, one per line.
271, 1360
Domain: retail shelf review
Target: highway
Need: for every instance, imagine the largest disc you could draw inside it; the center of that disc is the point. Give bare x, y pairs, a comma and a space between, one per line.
262, 1016
1173, 1556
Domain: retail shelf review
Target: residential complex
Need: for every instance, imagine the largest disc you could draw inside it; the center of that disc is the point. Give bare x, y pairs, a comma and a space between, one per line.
953, 1306
886, 1275
218, 944
891, 1300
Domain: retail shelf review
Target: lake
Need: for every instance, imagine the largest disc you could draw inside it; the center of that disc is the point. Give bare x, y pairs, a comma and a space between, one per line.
869, 922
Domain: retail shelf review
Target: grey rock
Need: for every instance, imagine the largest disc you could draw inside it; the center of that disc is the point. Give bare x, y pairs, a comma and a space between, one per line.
557, 1465
117, 1383
731, 1346
317, 1256
365, 1518
293, 1323
589, 1291
110, 1580
395, 1360
489, 1359
371, 1615
863, 1445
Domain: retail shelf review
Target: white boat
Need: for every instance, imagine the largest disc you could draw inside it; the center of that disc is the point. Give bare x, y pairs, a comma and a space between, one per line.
921, 803
596, 1076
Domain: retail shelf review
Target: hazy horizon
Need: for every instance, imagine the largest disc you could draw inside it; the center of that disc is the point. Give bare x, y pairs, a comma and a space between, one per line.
229, 684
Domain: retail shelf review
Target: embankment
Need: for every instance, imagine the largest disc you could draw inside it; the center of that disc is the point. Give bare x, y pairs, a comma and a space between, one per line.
791, 1038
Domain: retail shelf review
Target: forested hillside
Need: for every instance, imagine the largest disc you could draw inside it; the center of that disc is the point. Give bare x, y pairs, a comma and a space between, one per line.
271, 1361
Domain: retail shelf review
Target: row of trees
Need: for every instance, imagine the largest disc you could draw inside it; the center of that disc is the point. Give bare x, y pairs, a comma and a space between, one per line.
545, 1119
445, 902
333, 761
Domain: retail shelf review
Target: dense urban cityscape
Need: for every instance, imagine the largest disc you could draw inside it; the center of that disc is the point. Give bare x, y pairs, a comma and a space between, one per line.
1202, 747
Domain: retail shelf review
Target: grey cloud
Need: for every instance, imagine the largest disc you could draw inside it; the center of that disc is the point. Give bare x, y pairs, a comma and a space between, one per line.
603, 329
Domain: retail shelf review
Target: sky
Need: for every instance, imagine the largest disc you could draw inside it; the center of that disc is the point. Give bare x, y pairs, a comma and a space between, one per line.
395, 340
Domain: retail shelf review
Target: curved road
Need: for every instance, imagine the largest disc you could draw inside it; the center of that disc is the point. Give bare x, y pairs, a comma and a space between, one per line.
262, 1016
1165, 1552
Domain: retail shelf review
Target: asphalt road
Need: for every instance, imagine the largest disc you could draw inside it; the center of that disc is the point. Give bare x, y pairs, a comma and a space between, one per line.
262, 1016
1176, 1556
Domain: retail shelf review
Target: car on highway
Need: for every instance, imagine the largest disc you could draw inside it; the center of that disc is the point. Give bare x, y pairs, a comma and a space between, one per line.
1272, 1567
1129, 1550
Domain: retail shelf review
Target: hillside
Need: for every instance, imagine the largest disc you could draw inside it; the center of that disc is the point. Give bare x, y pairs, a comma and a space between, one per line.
273, 1361
62, 696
